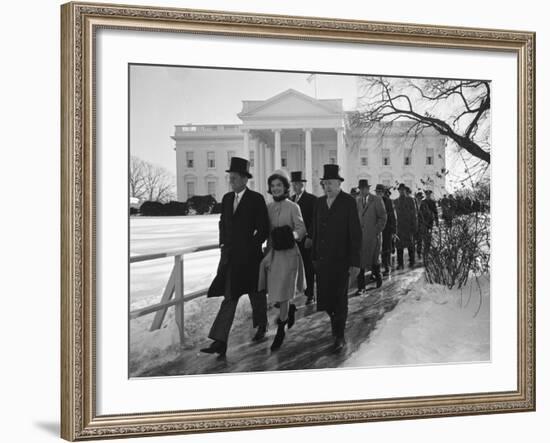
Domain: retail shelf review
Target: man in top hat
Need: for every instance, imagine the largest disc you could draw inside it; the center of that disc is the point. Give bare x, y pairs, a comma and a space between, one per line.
305, 201
427, 218
372, 217
407, 225
389, 230
335, 252
243, 227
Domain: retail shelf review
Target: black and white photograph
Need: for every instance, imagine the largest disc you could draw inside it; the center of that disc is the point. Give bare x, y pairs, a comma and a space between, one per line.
286, 220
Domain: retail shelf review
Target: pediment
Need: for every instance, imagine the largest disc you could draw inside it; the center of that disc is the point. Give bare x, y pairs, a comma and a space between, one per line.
290, 103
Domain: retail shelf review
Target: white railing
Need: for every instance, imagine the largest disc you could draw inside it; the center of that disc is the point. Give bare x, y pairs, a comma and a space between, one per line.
173, 292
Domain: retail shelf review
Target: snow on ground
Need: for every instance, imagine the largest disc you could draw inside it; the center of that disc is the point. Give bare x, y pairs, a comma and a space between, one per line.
147, 280
431, 325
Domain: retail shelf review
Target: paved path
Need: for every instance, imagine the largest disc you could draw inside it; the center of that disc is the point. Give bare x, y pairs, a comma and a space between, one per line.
307, 345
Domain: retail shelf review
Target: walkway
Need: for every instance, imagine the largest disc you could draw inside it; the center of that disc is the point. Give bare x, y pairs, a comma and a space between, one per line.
307, 345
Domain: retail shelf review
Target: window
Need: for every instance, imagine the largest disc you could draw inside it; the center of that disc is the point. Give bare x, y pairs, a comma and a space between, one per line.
190, 189
189, 157
385, 157
407, 161
229, 155
429, 156
211, 159
364, 157
212, 188
251, 157
332, 157
284, 159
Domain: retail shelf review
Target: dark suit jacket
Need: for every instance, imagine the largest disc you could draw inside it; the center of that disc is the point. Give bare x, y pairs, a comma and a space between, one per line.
241, 238
306, 203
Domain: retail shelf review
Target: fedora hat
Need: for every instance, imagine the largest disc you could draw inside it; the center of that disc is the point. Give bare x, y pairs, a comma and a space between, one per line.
296, 176
401, 186
380, 187
331, 172
363, 183
240, 165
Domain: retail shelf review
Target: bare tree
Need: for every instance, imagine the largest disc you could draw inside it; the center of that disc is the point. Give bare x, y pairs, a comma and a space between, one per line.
457, 109
150, 182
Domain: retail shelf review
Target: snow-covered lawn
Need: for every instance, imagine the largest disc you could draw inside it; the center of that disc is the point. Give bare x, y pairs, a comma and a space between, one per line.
150, 235
431, 325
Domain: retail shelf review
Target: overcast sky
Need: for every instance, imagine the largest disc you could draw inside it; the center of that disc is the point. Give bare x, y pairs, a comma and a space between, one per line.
162, 97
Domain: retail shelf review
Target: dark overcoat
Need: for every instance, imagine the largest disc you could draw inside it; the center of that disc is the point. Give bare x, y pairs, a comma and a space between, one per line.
306, 203
407, 220
241, 237
391, 222
336, 236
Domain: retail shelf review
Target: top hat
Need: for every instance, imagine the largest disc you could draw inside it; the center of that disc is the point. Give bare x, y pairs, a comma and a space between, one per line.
296, 176
380, 187
401, 186
331, 173
363, 183
240, 165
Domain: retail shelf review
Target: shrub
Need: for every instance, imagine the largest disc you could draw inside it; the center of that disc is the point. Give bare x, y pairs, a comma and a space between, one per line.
201, 204
152, 208
176, 208
459, 249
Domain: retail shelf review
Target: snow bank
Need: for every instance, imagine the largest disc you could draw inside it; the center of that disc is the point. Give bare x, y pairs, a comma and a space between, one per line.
430, 325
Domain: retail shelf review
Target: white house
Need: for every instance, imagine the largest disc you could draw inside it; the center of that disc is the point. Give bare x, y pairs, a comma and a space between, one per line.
296, 132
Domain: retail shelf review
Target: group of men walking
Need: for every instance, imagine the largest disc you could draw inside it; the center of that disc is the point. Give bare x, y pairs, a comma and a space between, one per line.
333, 239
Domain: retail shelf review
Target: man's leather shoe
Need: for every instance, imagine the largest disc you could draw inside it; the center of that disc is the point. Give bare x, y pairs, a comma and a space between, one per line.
339, 344
260, 333
216, 347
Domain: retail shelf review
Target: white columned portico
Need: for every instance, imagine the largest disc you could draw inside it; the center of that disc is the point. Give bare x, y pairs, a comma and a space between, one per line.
309, 161
341, 152
246, 144
277, 158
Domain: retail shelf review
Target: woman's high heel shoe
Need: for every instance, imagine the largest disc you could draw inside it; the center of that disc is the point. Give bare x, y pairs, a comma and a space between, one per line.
280, 336
291, 315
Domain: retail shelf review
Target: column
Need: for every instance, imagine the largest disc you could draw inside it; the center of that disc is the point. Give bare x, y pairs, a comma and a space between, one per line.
341, 153
246, 144
259, 166
309, 161
277, 156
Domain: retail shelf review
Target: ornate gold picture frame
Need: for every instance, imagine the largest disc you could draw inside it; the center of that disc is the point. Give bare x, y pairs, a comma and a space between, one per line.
80, 22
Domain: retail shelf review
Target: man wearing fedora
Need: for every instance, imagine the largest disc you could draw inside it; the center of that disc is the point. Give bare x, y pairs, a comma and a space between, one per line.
243, 227
372, 217
388, 233
335, 253
407, 225
305, 201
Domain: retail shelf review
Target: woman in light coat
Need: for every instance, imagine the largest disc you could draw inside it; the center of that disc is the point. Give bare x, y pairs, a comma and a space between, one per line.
282, 270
